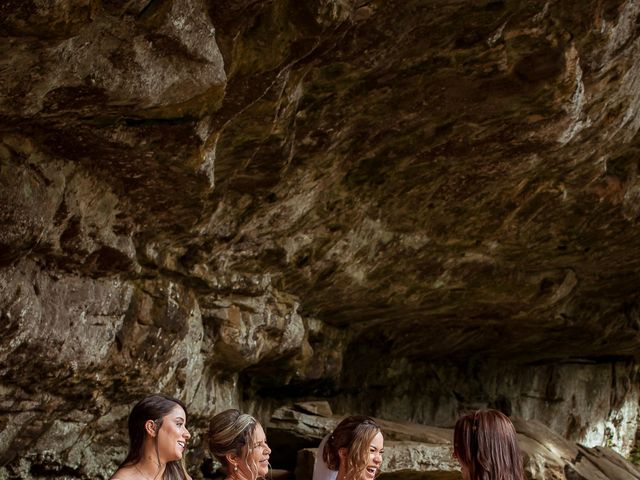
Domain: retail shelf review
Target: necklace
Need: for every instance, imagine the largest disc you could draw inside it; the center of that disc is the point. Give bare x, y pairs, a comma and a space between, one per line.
143, 474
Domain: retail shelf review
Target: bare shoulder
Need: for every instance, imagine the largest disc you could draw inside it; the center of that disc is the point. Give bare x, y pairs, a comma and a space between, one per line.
124, 473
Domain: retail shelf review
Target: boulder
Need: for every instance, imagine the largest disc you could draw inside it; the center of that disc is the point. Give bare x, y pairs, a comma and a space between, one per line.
321, 408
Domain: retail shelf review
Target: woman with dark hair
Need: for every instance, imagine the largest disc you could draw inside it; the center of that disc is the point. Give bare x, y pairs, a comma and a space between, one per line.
158, 438
238, 441
353, 451
486, 446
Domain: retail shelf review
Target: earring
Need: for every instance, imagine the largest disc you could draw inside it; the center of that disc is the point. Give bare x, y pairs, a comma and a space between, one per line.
235, 468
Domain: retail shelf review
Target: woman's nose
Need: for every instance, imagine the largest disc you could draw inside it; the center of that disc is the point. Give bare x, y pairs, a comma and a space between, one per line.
186, 434
266, 446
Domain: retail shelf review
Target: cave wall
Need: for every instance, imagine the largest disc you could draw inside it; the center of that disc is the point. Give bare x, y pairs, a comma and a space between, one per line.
594, 404
407, 208
80, 351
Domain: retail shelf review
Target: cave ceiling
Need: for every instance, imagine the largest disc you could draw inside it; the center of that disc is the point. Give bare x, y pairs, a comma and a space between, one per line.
441, 177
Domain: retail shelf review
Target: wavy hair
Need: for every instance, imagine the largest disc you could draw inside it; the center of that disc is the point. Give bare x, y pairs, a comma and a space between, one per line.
355, 433
486, 445
232, 432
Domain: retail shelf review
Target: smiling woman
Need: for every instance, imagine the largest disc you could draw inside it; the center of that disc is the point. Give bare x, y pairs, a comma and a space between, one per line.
238, 441
158, 437
353, 451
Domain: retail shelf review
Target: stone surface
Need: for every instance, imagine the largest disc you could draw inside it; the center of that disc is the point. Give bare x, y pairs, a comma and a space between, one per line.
548, 456
404, 208
321, 408
591, 402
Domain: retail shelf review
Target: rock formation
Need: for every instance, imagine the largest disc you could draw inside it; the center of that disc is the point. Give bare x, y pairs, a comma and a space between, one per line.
406, 208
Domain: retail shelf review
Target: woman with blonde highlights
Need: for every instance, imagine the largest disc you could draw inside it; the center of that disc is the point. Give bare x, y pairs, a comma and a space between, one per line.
353, 451
486, 446
238, 441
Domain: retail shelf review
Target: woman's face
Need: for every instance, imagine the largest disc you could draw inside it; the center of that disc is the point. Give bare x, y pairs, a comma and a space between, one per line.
173, 435
376, 449
258, 455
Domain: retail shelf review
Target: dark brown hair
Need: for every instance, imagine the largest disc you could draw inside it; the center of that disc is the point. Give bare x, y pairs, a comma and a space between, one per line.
154, 408
485, 444
355, 433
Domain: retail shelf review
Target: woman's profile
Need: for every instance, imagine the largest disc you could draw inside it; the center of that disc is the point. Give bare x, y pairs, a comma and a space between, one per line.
486, 446
238, 441
158, 438
353, 451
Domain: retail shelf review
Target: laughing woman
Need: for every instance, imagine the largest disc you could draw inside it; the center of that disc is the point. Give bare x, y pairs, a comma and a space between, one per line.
158, 437
238, 441
353, 451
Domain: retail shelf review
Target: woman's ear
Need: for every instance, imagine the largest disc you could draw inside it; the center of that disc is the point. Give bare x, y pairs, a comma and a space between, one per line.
343, 452
150, 427
232, 460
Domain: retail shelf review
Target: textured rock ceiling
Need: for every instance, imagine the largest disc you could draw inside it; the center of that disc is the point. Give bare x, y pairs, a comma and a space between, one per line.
436, 179
468, 169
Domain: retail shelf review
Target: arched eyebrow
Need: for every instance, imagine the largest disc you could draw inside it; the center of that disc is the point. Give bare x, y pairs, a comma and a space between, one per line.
180, 418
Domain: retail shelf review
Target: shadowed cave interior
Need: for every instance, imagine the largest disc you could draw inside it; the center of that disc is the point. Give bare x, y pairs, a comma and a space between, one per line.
312, 208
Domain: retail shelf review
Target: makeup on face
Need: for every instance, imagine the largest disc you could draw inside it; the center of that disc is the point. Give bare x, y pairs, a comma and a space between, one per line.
258, 453
173, 435
376, 450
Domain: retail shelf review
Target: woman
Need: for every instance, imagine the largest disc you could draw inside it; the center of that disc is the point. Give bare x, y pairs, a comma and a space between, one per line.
486, 446
353, 451
238, 441
158, 438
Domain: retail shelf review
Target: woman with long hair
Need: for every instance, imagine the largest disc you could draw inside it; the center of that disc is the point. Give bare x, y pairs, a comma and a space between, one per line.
353, 451
158, 438
238, 441
486, 446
